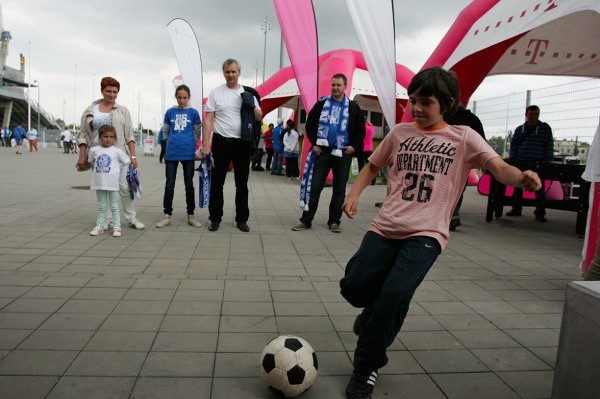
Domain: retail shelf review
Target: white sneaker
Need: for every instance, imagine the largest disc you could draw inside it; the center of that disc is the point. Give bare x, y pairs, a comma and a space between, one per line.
108, 223
165, 222
193, 222
117, 232
136, 224
96, 231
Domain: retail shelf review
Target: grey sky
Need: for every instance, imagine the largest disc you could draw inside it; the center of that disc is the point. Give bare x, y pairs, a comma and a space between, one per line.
128, 39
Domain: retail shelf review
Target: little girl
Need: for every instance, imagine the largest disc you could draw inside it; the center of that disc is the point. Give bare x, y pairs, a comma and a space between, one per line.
107, 161
181, 130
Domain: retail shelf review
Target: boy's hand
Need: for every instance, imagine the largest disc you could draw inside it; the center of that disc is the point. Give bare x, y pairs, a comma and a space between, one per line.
530, 181
350, 207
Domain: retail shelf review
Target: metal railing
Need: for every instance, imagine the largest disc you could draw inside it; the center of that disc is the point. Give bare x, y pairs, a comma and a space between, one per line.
571, 110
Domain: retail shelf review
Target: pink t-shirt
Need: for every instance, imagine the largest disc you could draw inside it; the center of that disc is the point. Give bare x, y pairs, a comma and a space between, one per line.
428, 170
368, 142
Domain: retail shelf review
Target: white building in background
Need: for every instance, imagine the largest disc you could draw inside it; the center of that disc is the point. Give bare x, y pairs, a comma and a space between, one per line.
572, 149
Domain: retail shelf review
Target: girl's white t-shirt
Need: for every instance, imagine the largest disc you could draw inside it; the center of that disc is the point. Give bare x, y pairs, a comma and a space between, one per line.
106, 167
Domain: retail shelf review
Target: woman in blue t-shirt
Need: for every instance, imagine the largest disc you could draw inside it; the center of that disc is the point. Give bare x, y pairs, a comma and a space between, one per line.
181, 130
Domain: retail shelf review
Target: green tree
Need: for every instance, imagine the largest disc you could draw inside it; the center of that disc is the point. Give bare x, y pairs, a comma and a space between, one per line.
497, 143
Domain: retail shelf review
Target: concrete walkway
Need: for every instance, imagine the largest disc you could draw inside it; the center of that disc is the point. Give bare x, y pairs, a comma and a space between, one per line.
181, 312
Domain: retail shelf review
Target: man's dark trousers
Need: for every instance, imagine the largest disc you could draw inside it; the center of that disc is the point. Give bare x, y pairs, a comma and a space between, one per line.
225, 151
340, 167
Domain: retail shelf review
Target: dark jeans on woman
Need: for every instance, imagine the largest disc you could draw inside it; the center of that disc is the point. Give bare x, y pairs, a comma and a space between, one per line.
382, 278
269, 157
363, 159
291, 167
188, 179
340, 167
540, 197
225, 151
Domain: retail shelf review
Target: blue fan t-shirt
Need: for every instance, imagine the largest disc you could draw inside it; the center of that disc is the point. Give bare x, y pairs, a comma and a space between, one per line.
181, 143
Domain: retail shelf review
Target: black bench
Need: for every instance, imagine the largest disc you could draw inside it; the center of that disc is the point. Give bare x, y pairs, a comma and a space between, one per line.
564, 173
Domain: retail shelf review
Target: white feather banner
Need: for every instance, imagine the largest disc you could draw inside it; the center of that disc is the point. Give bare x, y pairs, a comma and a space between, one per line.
188, 58
374, 26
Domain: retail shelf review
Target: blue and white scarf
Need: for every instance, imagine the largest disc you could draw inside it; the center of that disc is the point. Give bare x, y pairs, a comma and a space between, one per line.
325, 120
204, 176
133, 181
306, 184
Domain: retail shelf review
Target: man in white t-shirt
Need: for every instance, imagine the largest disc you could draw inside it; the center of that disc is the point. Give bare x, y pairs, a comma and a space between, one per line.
229, 144
66, 139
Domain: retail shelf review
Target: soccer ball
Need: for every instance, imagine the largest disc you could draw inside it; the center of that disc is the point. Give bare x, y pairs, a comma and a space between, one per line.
288, 365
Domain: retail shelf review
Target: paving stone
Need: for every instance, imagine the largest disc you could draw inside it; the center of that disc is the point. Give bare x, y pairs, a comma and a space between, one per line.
121, 341
186, 342
473, 386
107, 364
9, 339
73, 321
36, 362
178, 364
26, 387
92, 387
172, 388
449, 361
529, 384
59, 340
510, 359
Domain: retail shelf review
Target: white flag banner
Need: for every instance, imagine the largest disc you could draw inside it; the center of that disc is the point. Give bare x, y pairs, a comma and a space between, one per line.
374, 26
188, 58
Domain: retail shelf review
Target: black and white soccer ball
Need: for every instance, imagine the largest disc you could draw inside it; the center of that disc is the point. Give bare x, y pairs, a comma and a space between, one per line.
288, 365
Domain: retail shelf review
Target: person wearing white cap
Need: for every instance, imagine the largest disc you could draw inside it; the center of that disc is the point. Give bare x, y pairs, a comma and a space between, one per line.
277, 149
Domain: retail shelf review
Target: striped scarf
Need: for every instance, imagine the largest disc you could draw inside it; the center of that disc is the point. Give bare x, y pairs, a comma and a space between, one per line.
204, 176
324, 121
133, 181
306, 184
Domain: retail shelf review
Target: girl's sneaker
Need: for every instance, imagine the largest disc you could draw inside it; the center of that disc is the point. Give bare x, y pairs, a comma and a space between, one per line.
96, 231
117, 232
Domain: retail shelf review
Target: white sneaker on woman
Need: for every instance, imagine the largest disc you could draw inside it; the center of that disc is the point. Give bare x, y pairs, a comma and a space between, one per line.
136, 224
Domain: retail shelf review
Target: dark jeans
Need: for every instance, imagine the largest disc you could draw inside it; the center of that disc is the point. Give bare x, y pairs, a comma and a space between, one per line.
277, 162
540, 197
188, 179
225, 151
340, 167
382, 277
291, 167
257, 158
269, 157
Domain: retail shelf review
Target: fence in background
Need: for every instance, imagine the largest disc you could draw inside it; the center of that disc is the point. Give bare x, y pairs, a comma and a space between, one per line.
571, 110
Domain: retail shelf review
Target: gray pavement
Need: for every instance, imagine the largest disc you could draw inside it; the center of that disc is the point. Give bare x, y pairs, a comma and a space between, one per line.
181, 312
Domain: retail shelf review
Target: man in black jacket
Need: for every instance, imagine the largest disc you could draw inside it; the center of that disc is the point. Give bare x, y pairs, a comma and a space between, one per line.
335, 128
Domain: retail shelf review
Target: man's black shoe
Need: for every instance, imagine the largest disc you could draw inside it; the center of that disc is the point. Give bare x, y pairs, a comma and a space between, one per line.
243, 227
454, 223
513, 213
361, 386
541, 219
361, 320
213, 226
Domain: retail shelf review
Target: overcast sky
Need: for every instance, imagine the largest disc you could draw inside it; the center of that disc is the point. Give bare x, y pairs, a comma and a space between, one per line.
74, 43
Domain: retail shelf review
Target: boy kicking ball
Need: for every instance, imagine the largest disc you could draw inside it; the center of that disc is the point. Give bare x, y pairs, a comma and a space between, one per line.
430, 161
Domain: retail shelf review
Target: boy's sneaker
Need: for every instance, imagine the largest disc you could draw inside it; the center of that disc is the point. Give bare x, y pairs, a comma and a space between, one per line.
165, 222
136, 224
361, 386
96, 231
193, 222
117, 232
335, 228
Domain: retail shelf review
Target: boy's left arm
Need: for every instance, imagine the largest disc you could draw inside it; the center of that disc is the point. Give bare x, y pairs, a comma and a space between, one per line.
511, 176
